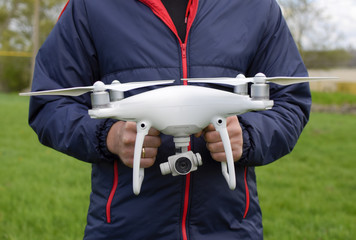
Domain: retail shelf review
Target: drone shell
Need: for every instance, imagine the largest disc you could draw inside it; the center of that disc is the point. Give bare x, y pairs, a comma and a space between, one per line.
179, 110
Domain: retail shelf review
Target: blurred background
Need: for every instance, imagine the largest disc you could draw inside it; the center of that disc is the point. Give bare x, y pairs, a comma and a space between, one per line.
323, 30
308, 194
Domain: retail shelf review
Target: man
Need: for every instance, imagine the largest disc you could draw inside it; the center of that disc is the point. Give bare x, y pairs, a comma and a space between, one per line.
138, 41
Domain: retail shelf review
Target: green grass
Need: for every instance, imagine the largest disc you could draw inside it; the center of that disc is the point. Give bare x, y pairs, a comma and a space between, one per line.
336, 98
43, 194
308, 194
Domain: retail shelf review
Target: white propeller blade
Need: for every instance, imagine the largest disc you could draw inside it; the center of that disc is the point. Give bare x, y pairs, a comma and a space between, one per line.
240, 80
227, 81
76, 91
292, 80
133, 85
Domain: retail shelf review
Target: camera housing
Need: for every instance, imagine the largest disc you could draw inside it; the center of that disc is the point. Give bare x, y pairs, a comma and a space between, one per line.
181, 164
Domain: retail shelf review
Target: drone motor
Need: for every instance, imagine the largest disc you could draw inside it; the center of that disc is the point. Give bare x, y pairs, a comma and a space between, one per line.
116, 95
99, 98
259, 88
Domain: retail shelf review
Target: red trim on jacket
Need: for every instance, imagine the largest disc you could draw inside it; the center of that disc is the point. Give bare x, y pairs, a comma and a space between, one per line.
112, 192
247, 194
185, 207
64, 8
160, 11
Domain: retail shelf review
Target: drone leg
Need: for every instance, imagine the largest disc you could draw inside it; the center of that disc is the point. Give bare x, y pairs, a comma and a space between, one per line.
227, 168
138, 173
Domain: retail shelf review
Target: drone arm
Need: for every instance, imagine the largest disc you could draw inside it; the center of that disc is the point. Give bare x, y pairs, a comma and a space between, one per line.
227, 168
138, 173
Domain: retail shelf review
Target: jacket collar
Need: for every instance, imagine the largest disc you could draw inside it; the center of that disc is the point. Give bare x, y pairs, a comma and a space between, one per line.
160, 11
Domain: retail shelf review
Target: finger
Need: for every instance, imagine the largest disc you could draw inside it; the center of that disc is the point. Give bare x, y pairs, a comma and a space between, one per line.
215, 147
219, 146
153, 132
221, 156
149, 152
212, 136
231, 119
130, 126
197, 135
128, 133
152, 141
128, 139
209, 128
144, 162
148, 157
147, 162
217, 151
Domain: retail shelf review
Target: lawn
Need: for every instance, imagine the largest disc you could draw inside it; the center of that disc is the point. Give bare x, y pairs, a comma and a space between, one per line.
308, 194
43, 194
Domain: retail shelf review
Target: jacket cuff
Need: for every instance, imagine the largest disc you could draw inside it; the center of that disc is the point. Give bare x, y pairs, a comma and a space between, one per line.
102, 133
246, 145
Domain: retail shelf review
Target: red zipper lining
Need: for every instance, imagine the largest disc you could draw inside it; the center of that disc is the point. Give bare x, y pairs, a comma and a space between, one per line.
247, 194
160, 11
112, 193
185, 206
189, 17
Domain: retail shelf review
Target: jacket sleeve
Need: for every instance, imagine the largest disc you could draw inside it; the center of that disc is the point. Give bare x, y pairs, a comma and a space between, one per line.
269, 135
68, 59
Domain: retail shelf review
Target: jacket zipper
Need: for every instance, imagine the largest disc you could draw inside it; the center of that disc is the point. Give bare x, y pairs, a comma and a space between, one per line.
189, 22
184, 62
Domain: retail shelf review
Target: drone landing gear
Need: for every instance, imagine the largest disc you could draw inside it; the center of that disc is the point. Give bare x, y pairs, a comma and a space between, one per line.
138, 173
227, 168
184, 161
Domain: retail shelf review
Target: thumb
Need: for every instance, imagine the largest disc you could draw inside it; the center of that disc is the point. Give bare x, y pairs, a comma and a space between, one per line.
198, 134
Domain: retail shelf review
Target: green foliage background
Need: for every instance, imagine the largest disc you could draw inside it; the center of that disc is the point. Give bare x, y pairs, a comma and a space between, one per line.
16, 28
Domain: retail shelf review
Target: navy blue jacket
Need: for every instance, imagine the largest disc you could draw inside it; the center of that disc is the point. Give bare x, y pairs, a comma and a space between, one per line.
132, 40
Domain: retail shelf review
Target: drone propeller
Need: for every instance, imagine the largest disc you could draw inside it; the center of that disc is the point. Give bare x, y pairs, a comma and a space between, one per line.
98, 86
240, 79
259, 78
292, 80
76, 91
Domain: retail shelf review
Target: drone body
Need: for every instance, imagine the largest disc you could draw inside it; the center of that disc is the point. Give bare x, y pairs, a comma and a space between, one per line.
179, 111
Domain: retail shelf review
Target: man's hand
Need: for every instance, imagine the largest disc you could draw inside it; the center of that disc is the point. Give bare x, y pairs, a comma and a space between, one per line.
214, 143
121, 141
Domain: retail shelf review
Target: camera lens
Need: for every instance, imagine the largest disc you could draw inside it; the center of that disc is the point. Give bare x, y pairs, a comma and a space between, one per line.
183, 165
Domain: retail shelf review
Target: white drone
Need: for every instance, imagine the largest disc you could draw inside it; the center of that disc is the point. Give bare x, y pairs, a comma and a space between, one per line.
179, 111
